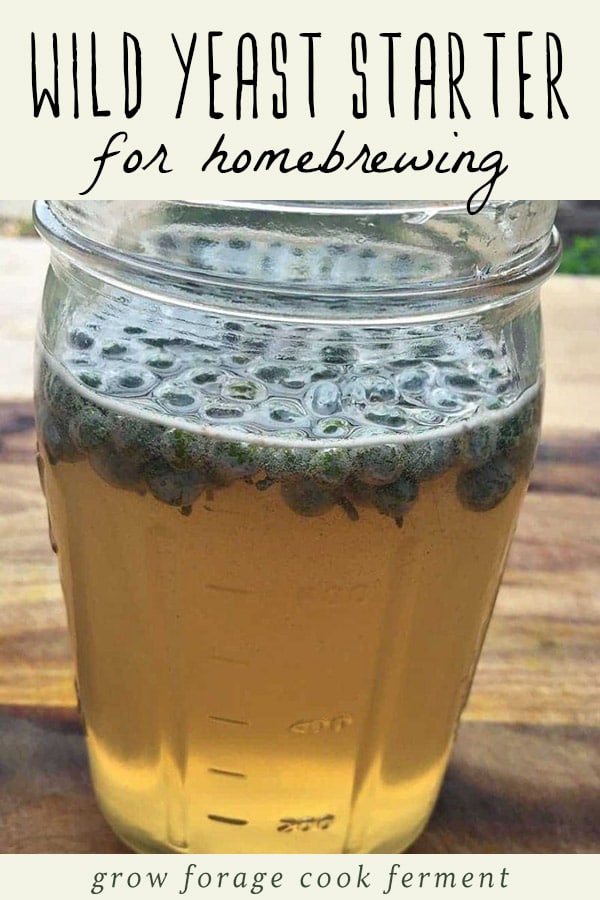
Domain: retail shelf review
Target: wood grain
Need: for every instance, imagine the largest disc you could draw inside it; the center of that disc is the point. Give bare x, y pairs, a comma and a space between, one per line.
509, 789
22, 270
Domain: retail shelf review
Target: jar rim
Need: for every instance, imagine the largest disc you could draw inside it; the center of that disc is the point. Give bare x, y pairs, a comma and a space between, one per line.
333, 207
421, 255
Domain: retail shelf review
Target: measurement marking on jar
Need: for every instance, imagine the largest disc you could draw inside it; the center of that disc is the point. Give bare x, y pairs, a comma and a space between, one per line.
333, 724
228, 773
227, 721
226, 820
306, 823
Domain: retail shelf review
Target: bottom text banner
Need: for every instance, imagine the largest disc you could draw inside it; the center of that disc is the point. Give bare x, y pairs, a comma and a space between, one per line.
513, 877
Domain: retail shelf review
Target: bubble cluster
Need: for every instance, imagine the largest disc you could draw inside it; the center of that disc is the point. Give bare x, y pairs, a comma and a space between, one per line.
176, 466
178, 403
329, 383
286, 257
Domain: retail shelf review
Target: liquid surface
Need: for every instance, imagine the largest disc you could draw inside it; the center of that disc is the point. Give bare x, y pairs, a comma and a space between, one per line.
262, 379
276, 625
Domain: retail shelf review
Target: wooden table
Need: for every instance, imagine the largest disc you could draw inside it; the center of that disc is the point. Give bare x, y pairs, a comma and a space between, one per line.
525, 774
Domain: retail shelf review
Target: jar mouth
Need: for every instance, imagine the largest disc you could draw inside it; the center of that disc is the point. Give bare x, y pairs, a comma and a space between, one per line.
332, 207
310, 258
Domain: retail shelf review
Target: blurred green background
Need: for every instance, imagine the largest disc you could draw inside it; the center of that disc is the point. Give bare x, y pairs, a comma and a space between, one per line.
578, 222
579, 225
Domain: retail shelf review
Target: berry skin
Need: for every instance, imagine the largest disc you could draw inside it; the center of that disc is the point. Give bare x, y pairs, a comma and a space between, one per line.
307, 498
181, 449
484, 487
378, 465
91, 429
176, 488
330, 467
395, 499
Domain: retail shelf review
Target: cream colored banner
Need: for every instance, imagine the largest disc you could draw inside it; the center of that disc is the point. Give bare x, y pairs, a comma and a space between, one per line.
512, 877
327, 100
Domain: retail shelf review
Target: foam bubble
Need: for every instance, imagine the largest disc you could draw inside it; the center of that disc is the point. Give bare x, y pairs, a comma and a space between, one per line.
196, 370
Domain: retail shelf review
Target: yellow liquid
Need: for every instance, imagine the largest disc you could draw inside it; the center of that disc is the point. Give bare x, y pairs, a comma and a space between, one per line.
257, 681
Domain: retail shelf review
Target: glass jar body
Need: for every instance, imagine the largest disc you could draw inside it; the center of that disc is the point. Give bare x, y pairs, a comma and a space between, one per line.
280, 538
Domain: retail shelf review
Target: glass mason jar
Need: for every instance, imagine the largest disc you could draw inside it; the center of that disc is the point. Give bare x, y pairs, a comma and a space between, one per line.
283, 446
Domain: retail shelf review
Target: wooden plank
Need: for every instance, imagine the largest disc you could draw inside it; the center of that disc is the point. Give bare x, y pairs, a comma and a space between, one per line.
571, 311
519, 789
46, 802
541, 655
495, 799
